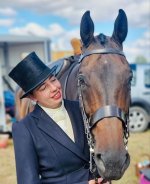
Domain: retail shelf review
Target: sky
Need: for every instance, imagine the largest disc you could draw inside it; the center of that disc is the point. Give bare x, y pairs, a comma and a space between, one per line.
59, 20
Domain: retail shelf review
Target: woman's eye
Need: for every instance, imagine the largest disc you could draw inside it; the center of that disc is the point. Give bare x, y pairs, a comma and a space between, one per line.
42, 88
53, 79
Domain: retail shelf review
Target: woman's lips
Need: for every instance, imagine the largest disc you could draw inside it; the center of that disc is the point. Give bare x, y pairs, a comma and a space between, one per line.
57, 96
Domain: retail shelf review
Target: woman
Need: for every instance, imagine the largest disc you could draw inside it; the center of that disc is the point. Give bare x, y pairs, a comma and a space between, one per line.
50, 144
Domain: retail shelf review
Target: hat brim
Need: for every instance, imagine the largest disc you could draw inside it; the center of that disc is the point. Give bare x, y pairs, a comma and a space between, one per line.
47, 73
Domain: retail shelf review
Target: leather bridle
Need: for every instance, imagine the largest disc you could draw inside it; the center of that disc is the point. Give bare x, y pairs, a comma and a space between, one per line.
103, 112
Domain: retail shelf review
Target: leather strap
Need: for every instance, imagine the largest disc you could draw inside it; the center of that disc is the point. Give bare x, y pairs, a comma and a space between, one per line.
101, 51
107, 112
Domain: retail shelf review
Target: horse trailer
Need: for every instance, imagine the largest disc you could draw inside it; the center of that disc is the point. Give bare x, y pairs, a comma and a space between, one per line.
139, 115
13, 49
2, 106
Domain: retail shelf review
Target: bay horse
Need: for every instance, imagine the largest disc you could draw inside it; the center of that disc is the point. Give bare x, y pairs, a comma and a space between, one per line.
101, 80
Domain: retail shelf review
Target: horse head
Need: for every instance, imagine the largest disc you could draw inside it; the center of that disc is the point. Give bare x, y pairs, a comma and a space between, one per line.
104, 92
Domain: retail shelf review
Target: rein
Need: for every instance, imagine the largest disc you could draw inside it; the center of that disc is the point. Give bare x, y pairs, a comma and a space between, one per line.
104, 112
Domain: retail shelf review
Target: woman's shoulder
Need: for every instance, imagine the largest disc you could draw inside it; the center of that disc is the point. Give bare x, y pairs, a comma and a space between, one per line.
72, 102
72, 105
21, 123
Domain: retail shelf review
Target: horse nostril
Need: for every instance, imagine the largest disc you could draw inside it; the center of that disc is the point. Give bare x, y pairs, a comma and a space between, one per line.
127, 157
99, 156
100, 162
126, 162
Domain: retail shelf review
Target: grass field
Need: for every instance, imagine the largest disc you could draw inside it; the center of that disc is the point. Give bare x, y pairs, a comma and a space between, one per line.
138, 144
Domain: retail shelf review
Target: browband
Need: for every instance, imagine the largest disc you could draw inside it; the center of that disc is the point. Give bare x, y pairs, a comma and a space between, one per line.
101, 51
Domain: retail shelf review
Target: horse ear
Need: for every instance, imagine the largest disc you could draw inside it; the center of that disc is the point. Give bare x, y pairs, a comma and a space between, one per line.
86, 29
120, 27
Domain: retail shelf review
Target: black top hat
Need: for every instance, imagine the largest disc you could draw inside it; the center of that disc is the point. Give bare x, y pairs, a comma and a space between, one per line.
30, 73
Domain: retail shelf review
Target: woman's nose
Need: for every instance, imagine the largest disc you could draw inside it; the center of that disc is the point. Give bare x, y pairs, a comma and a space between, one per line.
52, 87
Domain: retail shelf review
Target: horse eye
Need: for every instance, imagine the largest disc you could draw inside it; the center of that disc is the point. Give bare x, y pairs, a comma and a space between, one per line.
130, 79
81, 80
129, 83
131, 75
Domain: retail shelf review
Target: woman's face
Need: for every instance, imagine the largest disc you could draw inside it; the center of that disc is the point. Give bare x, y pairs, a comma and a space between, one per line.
48, 94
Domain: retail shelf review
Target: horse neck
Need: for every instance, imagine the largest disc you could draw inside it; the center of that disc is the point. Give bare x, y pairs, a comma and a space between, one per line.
69, 82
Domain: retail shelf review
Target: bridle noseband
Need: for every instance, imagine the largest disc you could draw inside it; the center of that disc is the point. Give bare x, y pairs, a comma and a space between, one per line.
107, 111
103, 112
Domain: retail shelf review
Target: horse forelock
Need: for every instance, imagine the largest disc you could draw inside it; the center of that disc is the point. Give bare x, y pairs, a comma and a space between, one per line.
102, 38
102, 41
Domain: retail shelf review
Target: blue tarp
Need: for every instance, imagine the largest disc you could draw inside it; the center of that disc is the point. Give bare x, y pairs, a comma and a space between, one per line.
9, 99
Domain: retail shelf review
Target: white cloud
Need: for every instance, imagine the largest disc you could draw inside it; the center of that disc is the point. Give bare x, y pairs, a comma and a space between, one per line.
59, 36
6, 22
143, 42
139, 14
29, 29
61, 39
140, 47
37, 30
55, 30
7, 11
137, 11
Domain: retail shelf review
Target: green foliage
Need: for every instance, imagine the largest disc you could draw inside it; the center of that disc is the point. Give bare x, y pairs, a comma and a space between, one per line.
140, 59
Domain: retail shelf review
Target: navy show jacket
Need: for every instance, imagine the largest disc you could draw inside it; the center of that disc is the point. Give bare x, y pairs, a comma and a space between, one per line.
45, 154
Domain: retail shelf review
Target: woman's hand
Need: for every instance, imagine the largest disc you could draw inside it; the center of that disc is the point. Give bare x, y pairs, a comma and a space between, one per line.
92, 182
99, 181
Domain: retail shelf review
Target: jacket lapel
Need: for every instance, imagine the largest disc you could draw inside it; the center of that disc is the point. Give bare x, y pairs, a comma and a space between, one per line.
47, 125
77, 124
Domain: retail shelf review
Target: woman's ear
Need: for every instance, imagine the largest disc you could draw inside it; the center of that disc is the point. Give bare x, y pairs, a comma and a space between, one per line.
32, 98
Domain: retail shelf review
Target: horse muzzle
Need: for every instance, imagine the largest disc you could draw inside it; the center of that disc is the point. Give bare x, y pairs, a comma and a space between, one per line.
112, 165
